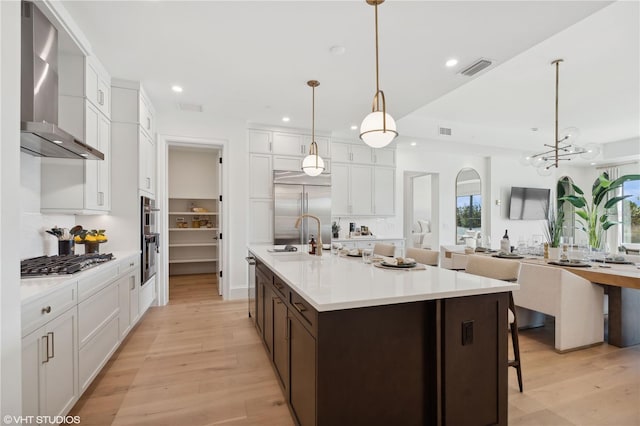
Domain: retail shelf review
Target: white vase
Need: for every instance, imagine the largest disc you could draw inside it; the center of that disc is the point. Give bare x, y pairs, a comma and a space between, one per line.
554, 253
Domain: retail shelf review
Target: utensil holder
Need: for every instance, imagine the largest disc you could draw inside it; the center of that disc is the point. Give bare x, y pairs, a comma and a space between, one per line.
65, 247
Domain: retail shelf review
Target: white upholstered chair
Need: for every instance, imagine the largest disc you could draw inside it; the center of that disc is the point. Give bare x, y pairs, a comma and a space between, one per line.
388, 250
507, 270
576, 304
424, 256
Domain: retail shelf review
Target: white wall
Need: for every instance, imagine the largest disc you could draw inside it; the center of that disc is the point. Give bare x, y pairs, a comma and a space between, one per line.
10, 324
235, 191
193, 173
33, 240
446, 165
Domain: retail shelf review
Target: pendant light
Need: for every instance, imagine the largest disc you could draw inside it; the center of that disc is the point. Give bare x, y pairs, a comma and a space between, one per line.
312, 163
378, 128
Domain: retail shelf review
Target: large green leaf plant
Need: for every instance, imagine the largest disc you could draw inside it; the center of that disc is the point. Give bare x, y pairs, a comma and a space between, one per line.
595, 215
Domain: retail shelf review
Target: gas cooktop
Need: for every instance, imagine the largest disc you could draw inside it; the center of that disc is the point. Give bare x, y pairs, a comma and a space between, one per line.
61, 265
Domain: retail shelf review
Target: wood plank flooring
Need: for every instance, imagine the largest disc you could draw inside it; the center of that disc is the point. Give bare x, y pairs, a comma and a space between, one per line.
199, 361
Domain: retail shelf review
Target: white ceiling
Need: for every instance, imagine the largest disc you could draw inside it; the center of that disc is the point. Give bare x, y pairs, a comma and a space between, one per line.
251, 60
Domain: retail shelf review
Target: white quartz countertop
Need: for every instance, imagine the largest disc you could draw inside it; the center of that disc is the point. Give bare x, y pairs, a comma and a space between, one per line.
31, 288
333, 282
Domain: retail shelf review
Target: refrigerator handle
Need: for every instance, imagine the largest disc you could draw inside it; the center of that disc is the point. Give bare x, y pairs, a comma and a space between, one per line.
302, 225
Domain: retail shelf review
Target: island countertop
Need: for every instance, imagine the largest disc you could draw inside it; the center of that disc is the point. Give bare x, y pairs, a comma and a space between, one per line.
332, 282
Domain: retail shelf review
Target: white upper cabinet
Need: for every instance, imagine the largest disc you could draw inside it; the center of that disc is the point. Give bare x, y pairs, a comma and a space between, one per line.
384, 182
260, 141
85, 76
384, 157
146, 115
261, 180
351, 153
288, 144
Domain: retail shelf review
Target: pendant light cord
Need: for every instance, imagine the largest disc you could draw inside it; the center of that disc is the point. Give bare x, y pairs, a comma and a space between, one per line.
557, 85
313, 122
377, 69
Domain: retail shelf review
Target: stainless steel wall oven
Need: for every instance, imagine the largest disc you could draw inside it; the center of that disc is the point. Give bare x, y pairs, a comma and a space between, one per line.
150, 241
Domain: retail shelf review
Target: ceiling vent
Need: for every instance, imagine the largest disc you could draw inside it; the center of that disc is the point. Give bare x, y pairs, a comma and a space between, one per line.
476, 67
190, 107
444, 131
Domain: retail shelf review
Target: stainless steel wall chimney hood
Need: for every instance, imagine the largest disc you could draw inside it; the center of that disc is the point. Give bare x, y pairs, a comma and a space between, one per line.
40, 134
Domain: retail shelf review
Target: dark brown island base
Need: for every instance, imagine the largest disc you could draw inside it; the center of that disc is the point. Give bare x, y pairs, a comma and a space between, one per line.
430, 362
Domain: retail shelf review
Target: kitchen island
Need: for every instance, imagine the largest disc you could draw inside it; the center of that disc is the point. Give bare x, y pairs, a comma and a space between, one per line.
355, 344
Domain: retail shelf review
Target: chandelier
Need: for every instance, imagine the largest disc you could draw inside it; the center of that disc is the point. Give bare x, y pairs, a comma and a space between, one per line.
564, 148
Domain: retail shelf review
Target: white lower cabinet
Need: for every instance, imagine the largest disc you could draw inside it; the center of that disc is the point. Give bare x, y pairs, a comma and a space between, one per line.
97, 332
70, 334
49, 367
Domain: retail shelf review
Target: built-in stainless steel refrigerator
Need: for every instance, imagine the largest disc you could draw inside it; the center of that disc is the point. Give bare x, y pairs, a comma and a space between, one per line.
296, 193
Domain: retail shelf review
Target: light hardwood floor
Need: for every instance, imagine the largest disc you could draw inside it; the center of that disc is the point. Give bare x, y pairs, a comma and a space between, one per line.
199, 361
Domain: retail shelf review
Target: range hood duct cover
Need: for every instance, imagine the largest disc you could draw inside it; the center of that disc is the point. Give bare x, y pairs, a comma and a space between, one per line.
39, 131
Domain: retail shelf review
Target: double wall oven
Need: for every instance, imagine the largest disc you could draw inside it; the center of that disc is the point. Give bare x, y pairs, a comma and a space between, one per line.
150, 241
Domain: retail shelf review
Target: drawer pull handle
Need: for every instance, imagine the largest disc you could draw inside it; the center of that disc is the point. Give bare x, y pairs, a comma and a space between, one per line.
45, 346
279, 286
299, 307
278, 300
46, 310
53, 348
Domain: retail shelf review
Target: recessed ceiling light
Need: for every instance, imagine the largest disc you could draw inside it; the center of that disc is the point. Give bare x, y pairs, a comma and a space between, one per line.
176, 89
414, 143
451, 63
354, 127
593, 164
337, 50
286, 119
534, 129
58, 142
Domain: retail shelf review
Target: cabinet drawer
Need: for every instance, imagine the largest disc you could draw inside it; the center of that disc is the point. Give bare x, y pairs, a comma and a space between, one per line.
304, 309
96, 311
281, 288
93, 283
97, 352
128, 264
39, 312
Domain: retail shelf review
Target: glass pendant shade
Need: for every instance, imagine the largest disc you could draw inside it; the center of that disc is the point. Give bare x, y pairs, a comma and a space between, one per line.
373, 133
591, 151
526, 159
313, 165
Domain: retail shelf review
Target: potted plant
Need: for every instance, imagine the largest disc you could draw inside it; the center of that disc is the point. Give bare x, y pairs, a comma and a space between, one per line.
594, 214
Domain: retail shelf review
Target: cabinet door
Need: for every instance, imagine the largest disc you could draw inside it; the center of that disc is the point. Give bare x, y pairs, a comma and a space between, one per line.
261, 221
260, 303
384, 179
341, 152
280, 341
340, 189
134, 308
151, 165
361, 190
60, 373
288, 144
104, 166
33, 355
104, 96
302, 358
385, 157
124, 316
146, 163
91, 173
361, 153
91, 82
268, 318
324, 146
260, 141
261, 170
292, 164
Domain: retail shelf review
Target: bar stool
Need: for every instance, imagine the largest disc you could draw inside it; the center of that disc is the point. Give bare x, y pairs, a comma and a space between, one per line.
506, 270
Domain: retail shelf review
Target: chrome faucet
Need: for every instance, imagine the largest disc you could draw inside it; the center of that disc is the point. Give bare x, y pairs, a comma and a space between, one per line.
319, 242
